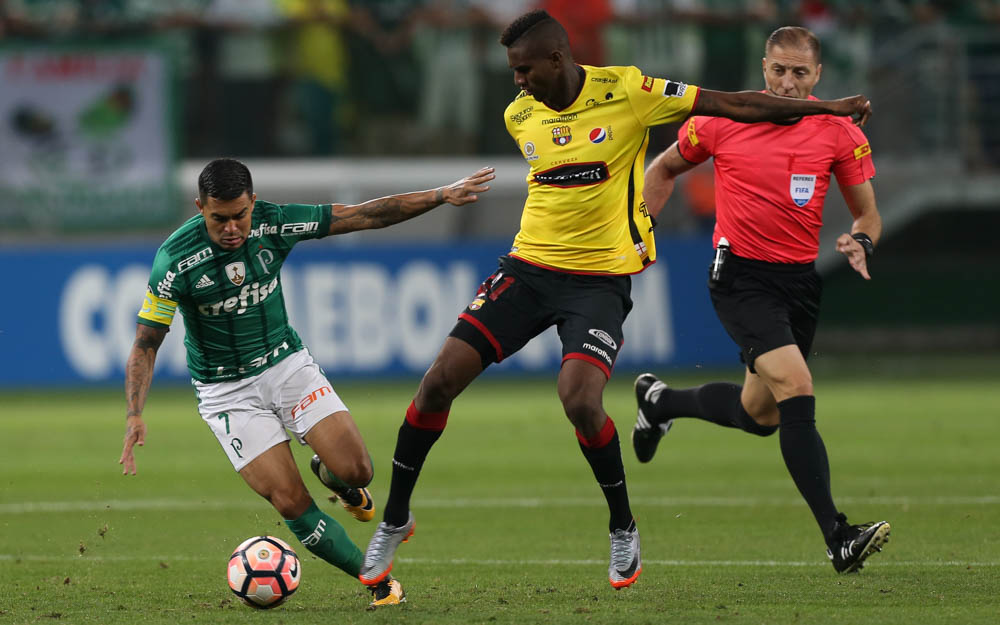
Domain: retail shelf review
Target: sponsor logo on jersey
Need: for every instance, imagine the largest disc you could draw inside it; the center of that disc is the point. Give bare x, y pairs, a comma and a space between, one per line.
801, 188
595, 102
203, 282
600, 352
603, 337
862, 151
236, 272
604, 79
250, 295
529, 151
561, 135
568, 117
598, 135
692, 132
263, 229
577, 175
563, 161
163, 286
300, 227
647, 84
308, 400
522, 116
674, 89
194, 259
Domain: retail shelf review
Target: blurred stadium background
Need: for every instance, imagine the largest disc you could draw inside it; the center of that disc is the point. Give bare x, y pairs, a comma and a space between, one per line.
109, 108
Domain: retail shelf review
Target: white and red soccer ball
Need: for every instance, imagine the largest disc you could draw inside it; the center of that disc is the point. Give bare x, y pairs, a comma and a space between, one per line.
264, 571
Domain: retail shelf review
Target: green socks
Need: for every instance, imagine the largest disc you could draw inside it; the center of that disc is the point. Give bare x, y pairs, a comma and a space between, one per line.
326, 538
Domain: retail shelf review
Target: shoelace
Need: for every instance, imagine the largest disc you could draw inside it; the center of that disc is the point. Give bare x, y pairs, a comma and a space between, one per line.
621, 549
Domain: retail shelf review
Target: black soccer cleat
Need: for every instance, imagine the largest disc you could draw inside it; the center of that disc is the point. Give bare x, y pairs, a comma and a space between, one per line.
647, 432
855, 543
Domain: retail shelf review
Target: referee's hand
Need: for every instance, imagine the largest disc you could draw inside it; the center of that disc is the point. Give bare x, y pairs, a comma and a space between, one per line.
855, 254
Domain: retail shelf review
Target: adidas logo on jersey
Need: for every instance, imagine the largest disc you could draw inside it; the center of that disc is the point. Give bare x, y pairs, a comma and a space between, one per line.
203, 282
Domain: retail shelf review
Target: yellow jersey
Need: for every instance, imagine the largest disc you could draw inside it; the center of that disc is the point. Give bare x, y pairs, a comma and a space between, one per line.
584, 212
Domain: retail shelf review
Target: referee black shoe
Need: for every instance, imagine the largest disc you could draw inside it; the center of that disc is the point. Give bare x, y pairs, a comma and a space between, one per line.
855, 543
647, 432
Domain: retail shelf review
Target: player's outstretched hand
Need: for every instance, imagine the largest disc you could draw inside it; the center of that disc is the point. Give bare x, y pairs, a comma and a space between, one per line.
135, 434
468, 189
855, 254
858, 107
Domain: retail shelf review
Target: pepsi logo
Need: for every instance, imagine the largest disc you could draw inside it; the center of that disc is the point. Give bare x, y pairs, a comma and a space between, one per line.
597, 135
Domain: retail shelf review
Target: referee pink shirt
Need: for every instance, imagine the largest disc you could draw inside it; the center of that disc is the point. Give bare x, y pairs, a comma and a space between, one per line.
771, 179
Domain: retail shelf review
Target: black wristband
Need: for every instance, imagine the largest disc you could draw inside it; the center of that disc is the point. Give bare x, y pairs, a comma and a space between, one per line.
866, 243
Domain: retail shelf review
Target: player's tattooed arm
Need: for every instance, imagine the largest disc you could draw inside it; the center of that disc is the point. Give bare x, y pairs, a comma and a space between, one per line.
139, 367
138, 377
392, 209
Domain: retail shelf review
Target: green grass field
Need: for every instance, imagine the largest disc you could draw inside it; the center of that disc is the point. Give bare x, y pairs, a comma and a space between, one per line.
511, 527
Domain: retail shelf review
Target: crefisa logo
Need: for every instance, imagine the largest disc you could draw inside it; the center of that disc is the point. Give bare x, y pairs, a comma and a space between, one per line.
597, 135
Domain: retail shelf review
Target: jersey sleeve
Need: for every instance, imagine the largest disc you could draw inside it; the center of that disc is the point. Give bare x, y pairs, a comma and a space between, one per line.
853, 163
160, 302
298, 222
658, 100
695, 139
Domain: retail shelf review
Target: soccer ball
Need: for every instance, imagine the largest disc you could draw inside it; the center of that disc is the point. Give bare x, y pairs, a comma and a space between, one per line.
264, 571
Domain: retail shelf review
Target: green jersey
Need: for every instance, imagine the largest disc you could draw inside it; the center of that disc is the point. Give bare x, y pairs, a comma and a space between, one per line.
234, 312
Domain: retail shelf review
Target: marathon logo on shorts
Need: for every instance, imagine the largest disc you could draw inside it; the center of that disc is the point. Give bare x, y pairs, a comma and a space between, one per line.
603, 337
576, 175
801, 188
600, 352
311, 398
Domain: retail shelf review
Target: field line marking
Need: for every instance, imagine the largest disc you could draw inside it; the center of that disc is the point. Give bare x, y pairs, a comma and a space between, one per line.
487, 502
8, 557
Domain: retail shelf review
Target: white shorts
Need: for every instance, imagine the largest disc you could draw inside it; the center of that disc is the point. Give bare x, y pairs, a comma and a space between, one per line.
251, 415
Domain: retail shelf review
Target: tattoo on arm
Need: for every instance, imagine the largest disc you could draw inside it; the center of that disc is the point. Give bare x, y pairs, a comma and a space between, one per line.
139, 368
384, 211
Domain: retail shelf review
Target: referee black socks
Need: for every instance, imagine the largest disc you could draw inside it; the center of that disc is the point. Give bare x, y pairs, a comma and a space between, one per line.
805, 456
715, 402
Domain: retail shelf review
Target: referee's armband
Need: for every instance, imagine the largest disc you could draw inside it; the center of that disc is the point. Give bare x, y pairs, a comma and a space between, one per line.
866, 243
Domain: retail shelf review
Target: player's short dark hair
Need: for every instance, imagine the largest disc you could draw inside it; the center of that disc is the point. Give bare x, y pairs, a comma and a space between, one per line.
794, 37
536, 25
224, 179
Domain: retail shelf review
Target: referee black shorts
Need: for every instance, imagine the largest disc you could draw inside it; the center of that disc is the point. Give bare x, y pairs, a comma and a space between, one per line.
520, 300
764, 306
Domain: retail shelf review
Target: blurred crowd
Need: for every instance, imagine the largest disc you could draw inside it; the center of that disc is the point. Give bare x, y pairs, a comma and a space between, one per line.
329, 77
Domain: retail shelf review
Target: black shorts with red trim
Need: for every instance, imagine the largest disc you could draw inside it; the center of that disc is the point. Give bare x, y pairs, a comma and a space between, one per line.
520, 301
764, 306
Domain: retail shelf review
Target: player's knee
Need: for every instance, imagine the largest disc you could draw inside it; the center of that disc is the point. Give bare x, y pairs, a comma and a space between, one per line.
358, 473
767, 419
291, 503
437, 391
583, 413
